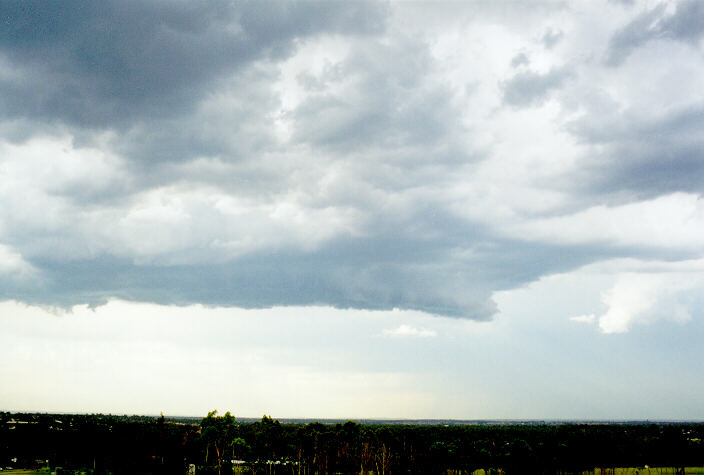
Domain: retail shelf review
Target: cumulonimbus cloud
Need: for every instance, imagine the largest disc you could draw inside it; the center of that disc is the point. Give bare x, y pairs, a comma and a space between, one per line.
320, 154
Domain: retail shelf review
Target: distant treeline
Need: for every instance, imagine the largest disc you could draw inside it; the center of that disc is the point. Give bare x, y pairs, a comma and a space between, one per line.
104, 444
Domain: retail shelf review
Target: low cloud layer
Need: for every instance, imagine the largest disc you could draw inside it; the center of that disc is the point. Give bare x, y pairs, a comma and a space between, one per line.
370, 156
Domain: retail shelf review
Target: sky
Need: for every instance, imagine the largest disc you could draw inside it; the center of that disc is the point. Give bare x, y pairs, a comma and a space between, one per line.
466, 210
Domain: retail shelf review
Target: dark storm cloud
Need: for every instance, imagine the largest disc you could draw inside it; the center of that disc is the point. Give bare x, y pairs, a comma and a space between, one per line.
384, 273
530, 88
685, 24
645, 156
108, 63
147, 69
227, 179
238, 126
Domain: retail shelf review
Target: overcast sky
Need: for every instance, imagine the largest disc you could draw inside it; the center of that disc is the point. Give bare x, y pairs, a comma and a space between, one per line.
348, 209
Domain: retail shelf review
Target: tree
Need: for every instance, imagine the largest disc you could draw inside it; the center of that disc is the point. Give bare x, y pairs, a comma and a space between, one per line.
218, 433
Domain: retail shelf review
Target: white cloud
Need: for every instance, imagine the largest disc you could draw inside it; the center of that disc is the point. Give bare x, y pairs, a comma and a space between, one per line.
217, 224
407, 331
644, 298
637, 292
54, 166
584, 318
674, 221
13, 265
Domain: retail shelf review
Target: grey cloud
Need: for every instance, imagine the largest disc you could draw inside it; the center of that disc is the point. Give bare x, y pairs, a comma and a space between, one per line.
645, 156
686, 23
187, 96
637, 32
170, 81
683, 25
393, 126
380, 273
530, 88
422, 259
105, 64
519, 60
551, 37
235, 122
389, 102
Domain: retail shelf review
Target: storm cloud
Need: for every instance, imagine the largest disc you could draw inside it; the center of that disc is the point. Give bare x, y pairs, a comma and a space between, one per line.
109, 64
316, 153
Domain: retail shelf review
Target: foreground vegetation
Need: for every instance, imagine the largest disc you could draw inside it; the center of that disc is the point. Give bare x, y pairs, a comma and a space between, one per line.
221, 444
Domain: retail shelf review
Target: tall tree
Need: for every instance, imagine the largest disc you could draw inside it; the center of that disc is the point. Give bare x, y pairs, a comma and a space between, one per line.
218, 432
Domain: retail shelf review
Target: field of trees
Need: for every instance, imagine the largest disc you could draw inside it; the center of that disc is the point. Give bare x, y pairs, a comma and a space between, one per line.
220, 444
